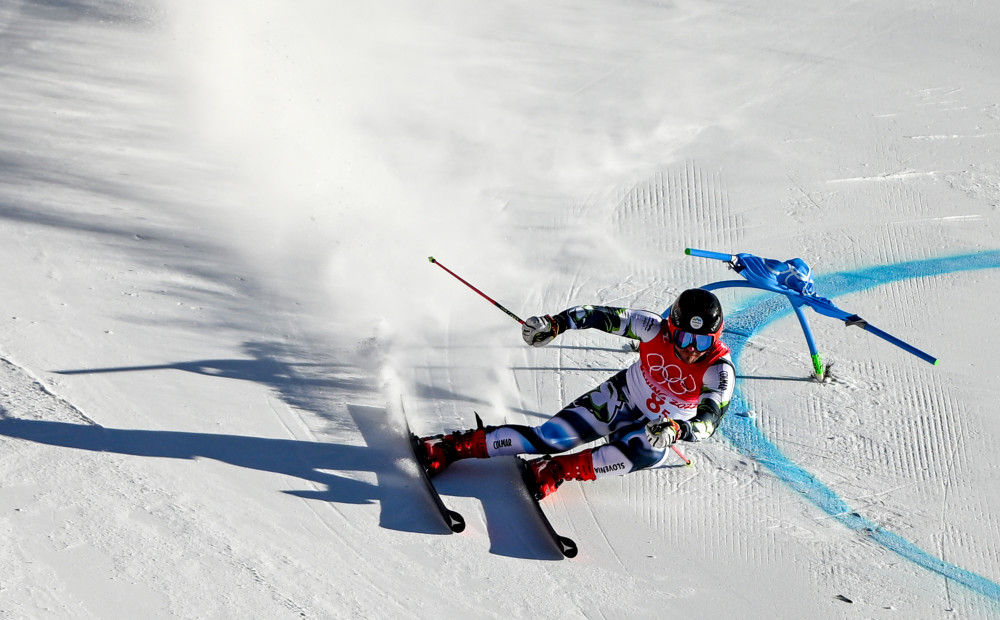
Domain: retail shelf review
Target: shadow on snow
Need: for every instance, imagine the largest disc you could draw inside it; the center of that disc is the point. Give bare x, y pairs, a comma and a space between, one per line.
404, 504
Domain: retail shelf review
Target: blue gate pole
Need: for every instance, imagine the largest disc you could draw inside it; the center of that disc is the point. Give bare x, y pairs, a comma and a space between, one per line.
818, 367
817, 363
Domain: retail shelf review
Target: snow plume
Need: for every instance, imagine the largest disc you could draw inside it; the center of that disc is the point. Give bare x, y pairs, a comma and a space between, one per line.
369, 136
312, 110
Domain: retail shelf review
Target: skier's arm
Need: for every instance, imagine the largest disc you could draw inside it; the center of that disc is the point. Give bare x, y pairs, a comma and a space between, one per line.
636, 324
715, 395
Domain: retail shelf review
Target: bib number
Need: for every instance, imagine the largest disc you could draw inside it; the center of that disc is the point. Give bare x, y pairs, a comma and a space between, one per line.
655, 403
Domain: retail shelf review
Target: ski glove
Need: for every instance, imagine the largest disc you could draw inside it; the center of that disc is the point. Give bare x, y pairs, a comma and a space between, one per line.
696, 430
662, 434
538, 331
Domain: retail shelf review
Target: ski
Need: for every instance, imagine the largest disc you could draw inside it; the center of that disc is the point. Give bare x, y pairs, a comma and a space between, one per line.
566, 545
454, 521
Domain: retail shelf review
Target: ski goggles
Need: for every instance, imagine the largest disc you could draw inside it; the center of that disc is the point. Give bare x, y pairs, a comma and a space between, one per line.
683, 340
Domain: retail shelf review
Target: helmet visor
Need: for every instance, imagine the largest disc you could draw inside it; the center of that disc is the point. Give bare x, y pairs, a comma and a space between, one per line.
701, 342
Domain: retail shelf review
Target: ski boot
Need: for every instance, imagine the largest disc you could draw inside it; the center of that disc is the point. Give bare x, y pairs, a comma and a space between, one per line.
440, 451
550, 472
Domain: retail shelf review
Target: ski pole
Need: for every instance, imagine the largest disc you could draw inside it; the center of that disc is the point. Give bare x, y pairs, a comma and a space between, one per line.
484, 295
686, 460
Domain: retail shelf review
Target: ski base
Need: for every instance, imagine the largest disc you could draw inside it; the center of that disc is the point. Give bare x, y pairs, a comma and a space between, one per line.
567, 546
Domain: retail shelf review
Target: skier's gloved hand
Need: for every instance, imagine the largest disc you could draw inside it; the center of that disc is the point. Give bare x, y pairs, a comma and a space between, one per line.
538, 331
696, 430
662, 434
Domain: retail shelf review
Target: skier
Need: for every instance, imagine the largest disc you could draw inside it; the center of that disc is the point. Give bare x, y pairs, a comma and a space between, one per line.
679, 388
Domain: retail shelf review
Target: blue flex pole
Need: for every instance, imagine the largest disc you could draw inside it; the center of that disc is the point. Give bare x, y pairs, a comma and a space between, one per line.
909, 348
776, 277
810, 342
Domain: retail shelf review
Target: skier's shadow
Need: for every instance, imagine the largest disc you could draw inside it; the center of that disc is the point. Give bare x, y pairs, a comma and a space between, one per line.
404, 505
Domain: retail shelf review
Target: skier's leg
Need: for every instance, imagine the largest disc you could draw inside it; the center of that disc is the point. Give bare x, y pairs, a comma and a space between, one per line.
628, 451
593, 415
589, 417
576, 424
601, 412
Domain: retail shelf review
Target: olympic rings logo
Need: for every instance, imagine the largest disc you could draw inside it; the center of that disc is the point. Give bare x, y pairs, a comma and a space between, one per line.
670, 375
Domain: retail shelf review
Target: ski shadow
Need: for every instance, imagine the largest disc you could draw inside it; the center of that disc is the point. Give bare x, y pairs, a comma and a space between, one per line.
404, 504
513, 527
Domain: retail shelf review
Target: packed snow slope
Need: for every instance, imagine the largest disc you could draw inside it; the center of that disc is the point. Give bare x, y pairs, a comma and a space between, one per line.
214, 230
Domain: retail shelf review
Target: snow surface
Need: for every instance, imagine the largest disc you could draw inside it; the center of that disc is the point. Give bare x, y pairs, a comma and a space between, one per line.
216, 299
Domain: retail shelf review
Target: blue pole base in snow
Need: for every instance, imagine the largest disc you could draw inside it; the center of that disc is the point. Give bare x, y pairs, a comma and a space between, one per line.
810, 342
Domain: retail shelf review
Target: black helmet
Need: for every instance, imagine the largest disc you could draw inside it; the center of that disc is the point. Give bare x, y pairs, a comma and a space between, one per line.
697, 311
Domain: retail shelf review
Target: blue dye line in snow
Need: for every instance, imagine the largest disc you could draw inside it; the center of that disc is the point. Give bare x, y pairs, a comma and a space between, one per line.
743, 433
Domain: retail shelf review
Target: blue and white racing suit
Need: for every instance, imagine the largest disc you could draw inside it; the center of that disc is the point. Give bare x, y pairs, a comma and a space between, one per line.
658, 385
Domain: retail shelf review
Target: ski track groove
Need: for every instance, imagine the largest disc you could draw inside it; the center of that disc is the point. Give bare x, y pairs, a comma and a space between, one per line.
598, 523
449, 382
518, 392
942, 538
952, 466
539, 402
675, 198
310, 436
